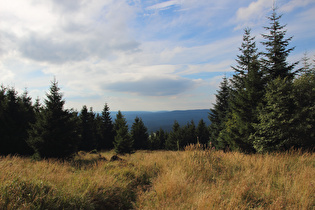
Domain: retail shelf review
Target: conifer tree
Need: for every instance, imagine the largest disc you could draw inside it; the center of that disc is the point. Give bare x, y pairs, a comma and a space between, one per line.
174, 138
247, 92
188, 135
2, 118
307, 67
54, 133
107, 133
123, 142
26, 117
304, 99
275, 130
15, 116
218, 115
275, 62
87, 130
139, 134
161, 136
157, 140
202, 132
9, 121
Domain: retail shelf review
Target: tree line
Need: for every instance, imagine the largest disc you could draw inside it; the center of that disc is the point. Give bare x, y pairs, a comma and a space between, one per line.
50, 131
269, 104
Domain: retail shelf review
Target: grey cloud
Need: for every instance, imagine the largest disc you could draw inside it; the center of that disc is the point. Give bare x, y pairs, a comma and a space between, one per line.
47, 49
153, 86
79, 30
68, 5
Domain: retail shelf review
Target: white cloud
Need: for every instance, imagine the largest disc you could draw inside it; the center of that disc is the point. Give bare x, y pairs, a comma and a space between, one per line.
5, 74
223, 66
302, 25
45, 32
293, 4
164, 5
252, 14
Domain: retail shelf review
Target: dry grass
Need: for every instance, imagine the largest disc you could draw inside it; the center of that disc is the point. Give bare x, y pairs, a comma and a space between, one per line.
191, 179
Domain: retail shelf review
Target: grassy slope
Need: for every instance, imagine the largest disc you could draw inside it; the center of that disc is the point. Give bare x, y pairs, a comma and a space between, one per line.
190, 179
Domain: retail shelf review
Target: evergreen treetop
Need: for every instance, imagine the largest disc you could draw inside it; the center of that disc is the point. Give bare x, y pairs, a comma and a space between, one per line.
139, 134
106, 129
275, 62
247, 92
218, 115
54, 132
123, 143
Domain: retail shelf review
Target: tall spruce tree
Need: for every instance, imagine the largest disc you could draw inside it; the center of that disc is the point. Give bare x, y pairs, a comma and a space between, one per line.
106, 130
247, 92
2, 119
275, 130
202, 133
139, 134
174, 138
16, 113
87, 130
307, 66
218, 115
275, 62
26, 117
304, 99
123, 142
188, 134
54, 132
9, 117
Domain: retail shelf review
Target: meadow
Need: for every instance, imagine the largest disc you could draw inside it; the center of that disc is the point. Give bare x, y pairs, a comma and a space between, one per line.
190, 179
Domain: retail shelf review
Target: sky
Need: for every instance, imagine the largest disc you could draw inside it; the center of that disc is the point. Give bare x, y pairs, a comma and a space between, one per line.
137, 55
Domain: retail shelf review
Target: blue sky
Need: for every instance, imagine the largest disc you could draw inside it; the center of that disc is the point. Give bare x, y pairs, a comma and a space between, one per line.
136, 55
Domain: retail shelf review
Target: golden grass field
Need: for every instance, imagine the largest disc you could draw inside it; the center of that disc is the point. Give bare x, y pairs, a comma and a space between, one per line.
191, 179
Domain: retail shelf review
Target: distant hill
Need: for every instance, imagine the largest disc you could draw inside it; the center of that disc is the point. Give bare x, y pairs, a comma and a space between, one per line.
165, 119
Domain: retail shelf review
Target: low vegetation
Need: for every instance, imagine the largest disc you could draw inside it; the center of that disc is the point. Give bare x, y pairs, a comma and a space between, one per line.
190, 179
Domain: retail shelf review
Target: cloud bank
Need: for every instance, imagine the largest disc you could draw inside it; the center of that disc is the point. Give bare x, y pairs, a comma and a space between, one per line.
155, 53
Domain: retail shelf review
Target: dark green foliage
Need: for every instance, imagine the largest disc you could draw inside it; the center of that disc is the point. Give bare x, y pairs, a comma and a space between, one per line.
157, 140
106, 129
202, 133
139, 134
16, 113
54, 132
188, 135
275, 130
219, 114
123, 142
275, 62
247, 92
87, 130
264, 110
180, 137
304, 97
174, 138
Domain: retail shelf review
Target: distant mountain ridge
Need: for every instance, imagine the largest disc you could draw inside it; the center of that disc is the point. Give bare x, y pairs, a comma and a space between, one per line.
165, 119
